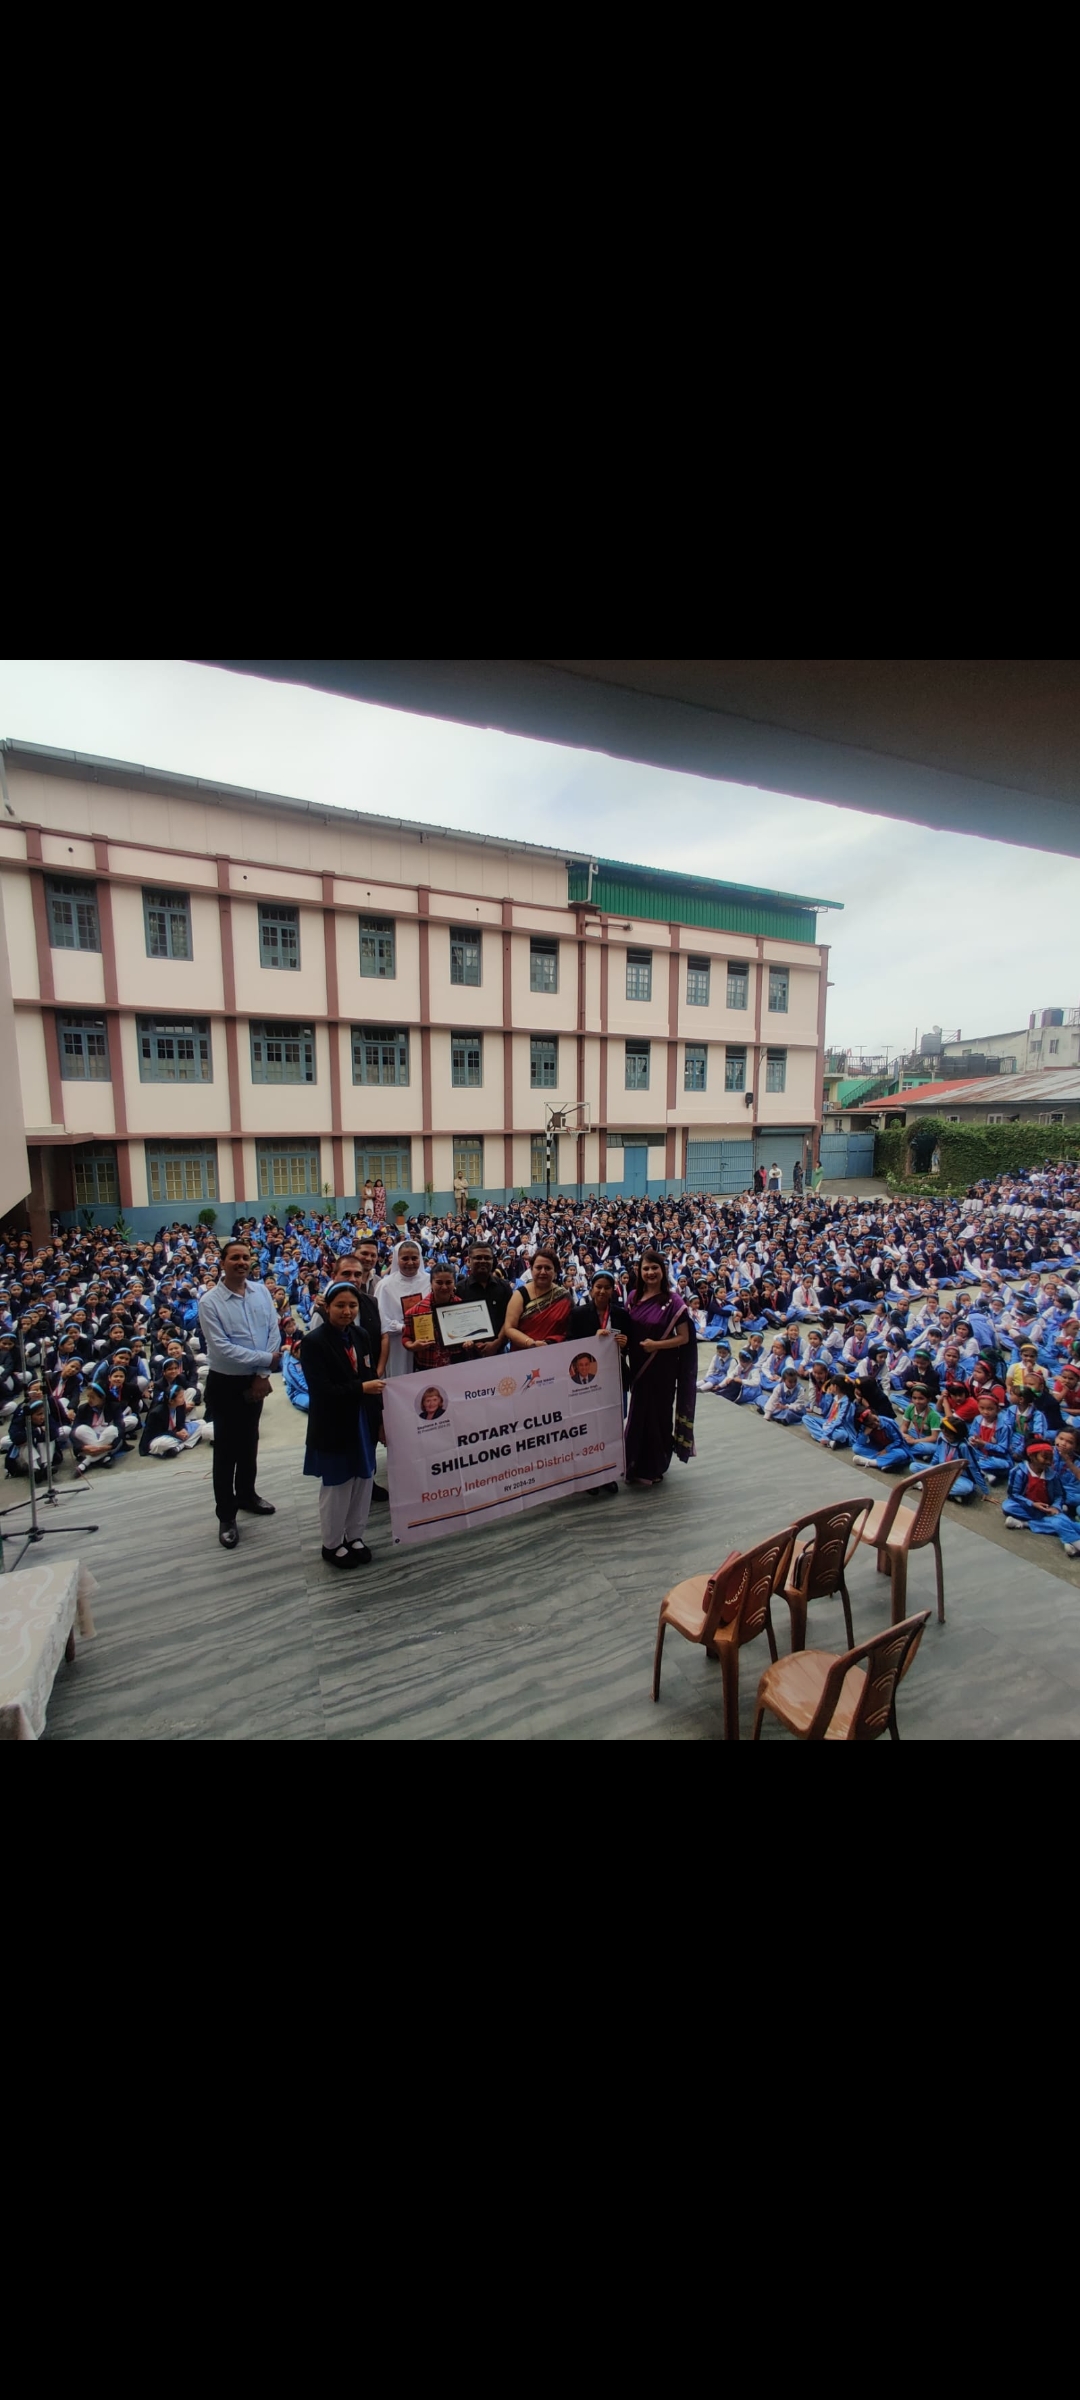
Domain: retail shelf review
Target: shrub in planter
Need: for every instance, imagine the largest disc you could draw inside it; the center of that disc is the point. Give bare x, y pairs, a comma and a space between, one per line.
208, 1216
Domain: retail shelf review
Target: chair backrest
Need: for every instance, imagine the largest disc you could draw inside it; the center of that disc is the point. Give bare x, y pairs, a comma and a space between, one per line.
835, 1535
743, 1587
888, 1655
936, 1484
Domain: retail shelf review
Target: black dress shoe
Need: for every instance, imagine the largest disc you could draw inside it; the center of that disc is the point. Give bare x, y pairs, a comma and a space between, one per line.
361, 1555
257, 1507
339, 1558
228, 1536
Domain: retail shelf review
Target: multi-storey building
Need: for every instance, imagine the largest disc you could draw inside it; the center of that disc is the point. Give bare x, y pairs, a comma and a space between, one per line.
228, 999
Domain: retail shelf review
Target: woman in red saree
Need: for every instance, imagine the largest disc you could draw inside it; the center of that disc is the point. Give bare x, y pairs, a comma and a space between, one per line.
540, 1311
662, 1365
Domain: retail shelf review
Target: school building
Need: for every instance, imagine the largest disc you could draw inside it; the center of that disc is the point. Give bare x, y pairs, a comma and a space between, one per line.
223, 998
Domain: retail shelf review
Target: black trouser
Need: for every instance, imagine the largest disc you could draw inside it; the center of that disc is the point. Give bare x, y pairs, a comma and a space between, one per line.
236, 1442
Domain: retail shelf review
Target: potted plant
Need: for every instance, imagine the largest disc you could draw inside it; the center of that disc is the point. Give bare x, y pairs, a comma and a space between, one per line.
208, 1216
400, 1211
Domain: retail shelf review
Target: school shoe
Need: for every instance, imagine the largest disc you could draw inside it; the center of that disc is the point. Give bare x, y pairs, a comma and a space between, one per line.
361, 1555
1016, 1525
341, 1557
1071, 1549
256, 1507
229, 1536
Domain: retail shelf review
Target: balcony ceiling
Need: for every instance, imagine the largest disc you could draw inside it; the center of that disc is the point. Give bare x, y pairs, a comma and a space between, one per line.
968, 745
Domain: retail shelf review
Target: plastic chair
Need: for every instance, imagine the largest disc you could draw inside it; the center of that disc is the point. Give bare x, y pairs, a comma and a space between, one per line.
821, 1698
817, 1571
725, 1611
894, 1532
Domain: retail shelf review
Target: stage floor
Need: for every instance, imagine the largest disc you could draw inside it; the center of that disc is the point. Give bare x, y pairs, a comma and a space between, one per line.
538, 1628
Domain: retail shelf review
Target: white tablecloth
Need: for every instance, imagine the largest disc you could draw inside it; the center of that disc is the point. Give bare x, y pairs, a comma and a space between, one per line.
38, 1608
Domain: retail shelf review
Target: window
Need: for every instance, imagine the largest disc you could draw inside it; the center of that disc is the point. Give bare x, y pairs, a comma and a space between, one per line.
538, 1167
1054, 1046
995, 1120
172, 1051
390, 1160
543, 969
952, 1120
84, 1050
775, 1070
639, 974
543, 1065
697, 982
377, 953
738, 987
379, 1055
465, 955
466, 1061
167, 918
73, 914
287, 1169
694, 1069
1054, 1116
96, 1182
735, 1070
778, 994
181, 1170
469, 1161
282, 1054
279, 935
637, 1066
1035, 1048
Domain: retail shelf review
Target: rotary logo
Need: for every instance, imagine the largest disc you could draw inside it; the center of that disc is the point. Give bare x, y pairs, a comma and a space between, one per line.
507, 1387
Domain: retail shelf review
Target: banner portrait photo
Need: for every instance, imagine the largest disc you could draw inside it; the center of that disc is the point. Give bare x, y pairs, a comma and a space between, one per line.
470, 1443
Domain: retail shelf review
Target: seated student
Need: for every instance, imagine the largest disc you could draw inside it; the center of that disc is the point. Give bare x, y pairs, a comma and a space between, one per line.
952, 1443
748, 1367
877, 1440
1067, 1394
771, 1370
1026, 1423
721, 1373
835, 1429
169, 1427
29, 1432
292, 1374
1034, 1500
959, 1399
95, 1436
785, 1404
920, 1423
989, 1439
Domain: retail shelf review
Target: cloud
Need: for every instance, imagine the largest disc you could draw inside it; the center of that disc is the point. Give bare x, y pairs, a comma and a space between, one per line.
937, 927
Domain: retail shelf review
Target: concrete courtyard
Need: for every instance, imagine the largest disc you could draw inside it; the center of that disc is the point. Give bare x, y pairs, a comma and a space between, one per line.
538, 1628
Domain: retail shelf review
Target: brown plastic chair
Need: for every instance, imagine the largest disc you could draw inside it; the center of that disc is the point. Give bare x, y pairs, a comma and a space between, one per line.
894, 1532
821, 1698
817, 1570
725, 1611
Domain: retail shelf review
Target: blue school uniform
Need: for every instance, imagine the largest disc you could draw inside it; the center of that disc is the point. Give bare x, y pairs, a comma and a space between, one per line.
1017, 1505
836, 1428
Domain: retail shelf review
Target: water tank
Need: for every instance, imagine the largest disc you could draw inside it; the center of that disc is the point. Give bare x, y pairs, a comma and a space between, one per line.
930, 1045
1053, 1016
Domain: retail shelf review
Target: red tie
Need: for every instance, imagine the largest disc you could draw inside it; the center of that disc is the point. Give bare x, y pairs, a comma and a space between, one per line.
351, 1356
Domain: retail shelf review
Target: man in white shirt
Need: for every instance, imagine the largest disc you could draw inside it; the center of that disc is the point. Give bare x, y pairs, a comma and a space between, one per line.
240, 1328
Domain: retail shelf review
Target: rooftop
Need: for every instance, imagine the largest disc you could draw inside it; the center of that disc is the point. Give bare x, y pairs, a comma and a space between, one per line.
1050, 1085
124, 775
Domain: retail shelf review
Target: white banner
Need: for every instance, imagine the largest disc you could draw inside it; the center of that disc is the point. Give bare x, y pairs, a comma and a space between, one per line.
467, 1444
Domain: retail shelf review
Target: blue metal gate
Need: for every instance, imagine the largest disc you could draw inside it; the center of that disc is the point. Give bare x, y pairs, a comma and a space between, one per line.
844, 1155
719, 1166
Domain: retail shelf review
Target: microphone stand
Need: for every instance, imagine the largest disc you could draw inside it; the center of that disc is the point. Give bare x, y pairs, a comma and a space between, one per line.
37, 1532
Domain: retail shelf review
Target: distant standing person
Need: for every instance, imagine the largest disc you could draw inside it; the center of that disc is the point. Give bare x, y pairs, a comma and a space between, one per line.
379, 1201
797, 1176
240, 1328
776, 1178
461, 1194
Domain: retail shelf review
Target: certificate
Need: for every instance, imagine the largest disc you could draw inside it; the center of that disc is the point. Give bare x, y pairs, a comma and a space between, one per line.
465, 1321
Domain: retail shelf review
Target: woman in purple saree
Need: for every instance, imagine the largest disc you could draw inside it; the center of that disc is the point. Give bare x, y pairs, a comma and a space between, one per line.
662, 1366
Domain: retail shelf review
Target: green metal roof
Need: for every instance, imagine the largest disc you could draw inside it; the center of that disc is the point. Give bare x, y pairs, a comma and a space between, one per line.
623, 889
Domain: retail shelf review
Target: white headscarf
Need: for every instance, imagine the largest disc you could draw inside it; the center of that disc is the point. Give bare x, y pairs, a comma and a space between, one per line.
390, 1290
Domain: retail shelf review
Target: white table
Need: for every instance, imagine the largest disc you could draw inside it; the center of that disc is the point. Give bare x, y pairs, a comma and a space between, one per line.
40, 1607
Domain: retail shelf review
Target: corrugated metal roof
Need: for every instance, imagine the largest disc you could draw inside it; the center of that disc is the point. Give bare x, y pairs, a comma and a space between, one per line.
710, 883
1047, 1085
712, 906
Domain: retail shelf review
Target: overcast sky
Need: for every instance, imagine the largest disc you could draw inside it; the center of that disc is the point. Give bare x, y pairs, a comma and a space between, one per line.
937, 928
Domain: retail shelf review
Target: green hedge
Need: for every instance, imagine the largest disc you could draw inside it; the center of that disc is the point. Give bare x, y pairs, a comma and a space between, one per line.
968, 1152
